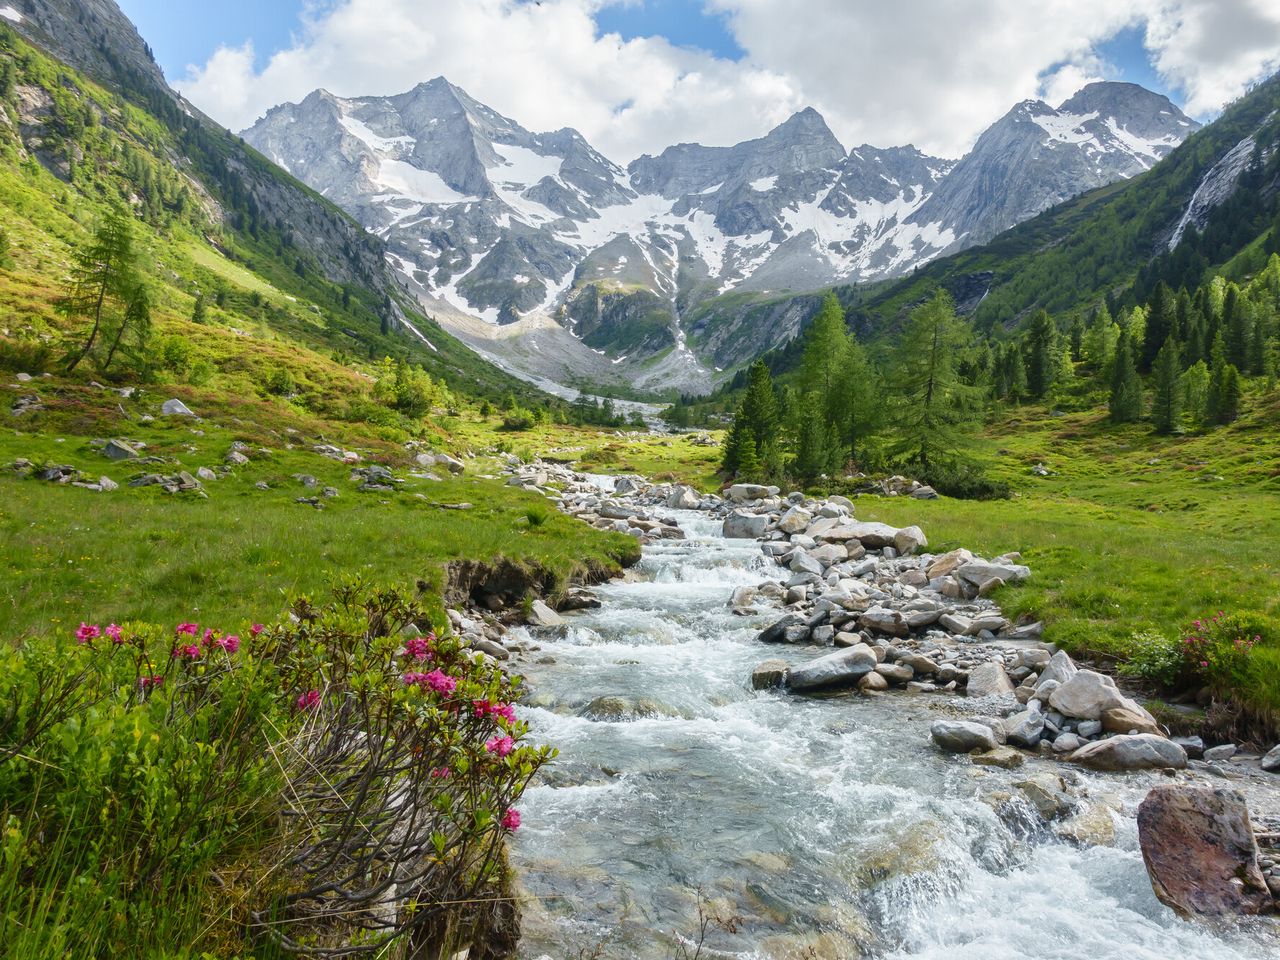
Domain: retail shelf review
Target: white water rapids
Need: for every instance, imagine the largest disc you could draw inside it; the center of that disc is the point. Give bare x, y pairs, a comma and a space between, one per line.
824, 824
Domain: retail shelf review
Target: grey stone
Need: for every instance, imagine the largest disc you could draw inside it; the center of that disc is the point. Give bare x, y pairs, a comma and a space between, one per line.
1141, 751
119, 450
175, 408
961, 736
1271, 762
989, 679
769, 674
1222, 753
741, 525
541, 615
843, 668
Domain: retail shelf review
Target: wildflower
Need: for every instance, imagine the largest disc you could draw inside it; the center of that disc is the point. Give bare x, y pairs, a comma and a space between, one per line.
150, 682
437, 680
87, 633
229, 643
500, 745
115, 633
189, 650
188, 628
256, 629
1204, 663
504, 710
309, 700
511, 820
419, 648
441, 773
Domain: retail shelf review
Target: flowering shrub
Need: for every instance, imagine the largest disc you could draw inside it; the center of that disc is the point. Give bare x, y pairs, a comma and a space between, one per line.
356, 797
1216, 650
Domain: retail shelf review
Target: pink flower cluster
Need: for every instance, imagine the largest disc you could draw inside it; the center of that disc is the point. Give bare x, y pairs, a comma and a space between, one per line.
187, 651
511, 820
500, 745
229, 643
310, 700
86, 633
149, 683
436, 680
419, 648
484, 708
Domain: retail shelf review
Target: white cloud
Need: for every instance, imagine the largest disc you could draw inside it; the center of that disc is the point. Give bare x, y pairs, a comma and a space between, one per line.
928, 72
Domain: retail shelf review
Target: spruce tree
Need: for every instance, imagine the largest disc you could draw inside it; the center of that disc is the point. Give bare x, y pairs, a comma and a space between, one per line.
200, 311
818, 448
1166, 410
1161, 323
1126, 390
1042, 354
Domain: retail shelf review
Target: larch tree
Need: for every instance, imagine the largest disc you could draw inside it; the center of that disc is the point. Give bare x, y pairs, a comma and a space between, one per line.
107, 291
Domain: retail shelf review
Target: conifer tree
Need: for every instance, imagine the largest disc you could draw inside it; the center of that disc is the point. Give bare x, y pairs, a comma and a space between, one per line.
107, 290
1042, 354
1126, 390
1166, 410
1100, 342
753, 451
1161, 322
1224, 386
200, 311
934, 404
1195, 393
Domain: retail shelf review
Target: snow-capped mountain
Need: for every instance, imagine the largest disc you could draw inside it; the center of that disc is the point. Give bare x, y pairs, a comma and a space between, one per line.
491, 221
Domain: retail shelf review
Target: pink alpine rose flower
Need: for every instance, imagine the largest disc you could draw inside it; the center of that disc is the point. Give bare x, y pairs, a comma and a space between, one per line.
511, 820
500, 745
87, 633
309, 700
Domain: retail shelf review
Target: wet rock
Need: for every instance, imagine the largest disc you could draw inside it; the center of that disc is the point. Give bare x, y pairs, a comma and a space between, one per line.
541, 615
919, 663
989, 679
612, 709
961, 736
873, 682
895, 672
1025, 729
1200, 851
1047, 793
741, 525
1006, 758
782, 630
1220, 754
1092, 826
1193, 745
769, 674
1141, 751
841, 669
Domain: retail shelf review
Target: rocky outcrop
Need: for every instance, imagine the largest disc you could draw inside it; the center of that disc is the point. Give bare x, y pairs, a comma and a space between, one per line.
1200, 851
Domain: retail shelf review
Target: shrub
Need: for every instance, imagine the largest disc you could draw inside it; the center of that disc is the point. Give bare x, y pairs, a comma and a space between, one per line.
356, 776
519, 420
964, 481
1217, 650
280, 383
537, 516
1154, 658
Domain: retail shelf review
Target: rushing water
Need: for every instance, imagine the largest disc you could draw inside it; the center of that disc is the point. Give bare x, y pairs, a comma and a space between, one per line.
825, 824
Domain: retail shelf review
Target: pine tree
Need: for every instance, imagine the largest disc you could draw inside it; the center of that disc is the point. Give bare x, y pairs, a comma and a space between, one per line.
1236, 327
1166, 410
818, 448
1126, 390
200, 312
752, 449
1077, 339
934, 403
1224, 387
865, 398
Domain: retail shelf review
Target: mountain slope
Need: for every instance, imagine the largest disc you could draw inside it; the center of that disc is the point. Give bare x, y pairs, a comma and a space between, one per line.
488, 220
1208, 200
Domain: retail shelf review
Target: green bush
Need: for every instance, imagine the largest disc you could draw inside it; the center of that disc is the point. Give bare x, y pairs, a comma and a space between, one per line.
196, 787
517, 421
963, 480
1154, 658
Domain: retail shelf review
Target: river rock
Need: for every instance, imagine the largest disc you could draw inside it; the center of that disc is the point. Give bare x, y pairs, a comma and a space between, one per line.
782, 631
769, 674
895, 672
909, 539
919, 663
1142, 751
795, 520
841, 669
1086, 695
874, 682
741, 525
741, 492
1047, 793
1092, 826
684, 498
801, 562
1271, 762
1221, 753
1005, 757
989, 679
961, 736
625, 708
1128, 717
871, 535
1024, 729
948, 563
541, 615
981, 572
884, 620
1200, 851
1193, 745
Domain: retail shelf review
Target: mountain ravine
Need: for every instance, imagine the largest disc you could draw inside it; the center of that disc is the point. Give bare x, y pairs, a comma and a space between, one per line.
552, 259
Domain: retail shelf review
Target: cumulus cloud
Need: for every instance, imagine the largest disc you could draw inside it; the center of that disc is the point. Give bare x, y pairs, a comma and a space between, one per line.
926, 72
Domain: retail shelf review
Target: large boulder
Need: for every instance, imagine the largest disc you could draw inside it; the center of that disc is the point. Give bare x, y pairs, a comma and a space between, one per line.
1200, 851
989, 679
541, 615
770, 674
1025, 729
741, 492
961, 736
1271, 761
741, 525
841, 669
684, 498
1129, 717
1142, 751
1087, 695
982, 573
1059, 670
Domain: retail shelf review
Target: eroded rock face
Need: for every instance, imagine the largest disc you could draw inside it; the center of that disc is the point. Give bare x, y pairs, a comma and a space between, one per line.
1200, 851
